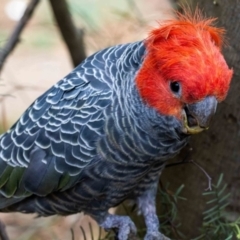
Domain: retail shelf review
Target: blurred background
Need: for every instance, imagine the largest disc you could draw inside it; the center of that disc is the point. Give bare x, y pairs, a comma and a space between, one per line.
41, 59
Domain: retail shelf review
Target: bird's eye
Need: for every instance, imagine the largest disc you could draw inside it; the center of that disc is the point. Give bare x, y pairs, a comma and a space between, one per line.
175, 87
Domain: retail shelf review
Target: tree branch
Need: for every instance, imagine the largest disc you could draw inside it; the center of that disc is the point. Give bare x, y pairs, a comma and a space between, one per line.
3, 233
14, 38
72, 36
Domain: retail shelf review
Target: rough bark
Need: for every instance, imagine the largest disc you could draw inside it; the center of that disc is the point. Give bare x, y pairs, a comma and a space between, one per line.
218, 149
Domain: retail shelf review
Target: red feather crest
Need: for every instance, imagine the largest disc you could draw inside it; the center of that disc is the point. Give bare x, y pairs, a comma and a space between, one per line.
187, 50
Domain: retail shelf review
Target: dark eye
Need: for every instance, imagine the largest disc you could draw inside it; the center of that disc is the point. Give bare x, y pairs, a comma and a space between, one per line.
175, 87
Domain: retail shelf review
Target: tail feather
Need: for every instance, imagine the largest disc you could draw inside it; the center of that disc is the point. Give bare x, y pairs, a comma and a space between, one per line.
11, 190
6, 202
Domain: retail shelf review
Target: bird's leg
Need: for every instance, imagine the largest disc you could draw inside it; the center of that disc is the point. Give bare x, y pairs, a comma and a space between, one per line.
147, 206
123, 226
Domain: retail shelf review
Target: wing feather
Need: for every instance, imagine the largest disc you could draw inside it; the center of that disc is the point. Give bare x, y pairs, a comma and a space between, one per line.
53, 141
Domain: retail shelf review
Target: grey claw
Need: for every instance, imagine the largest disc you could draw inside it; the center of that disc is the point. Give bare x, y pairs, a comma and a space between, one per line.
123, 225
127, 229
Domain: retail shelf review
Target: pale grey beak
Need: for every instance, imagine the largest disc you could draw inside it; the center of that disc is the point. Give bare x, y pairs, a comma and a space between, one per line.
197, 116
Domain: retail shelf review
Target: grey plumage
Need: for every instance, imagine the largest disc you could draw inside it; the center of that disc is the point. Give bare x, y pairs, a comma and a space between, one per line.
88, 143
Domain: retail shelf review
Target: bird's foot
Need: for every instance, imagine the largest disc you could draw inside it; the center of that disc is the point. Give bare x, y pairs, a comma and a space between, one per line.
155, 236
123, 225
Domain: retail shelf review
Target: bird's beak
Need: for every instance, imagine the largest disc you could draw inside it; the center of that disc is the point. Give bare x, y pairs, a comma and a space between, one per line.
197, 116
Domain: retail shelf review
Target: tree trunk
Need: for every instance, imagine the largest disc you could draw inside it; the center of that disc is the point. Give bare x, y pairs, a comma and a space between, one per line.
218, 149
73, 37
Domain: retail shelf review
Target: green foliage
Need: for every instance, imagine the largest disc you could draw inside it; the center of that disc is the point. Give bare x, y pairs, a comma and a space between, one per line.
216, 224
169, 214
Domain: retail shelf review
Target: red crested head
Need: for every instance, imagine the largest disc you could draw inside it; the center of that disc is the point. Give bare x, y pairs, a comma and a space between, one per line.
183, 64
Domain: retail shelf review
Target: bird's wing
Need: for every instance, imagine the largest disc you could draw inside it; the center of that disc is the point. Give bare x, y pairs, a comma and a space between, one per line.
47, 148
